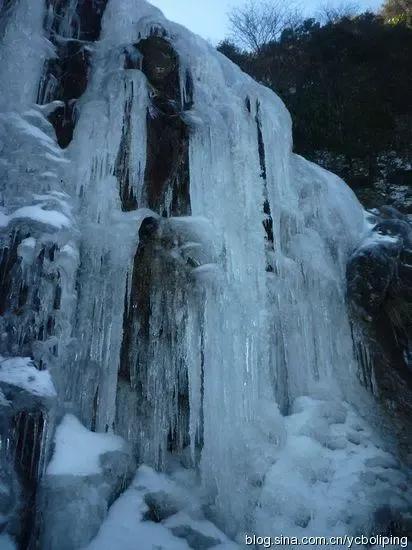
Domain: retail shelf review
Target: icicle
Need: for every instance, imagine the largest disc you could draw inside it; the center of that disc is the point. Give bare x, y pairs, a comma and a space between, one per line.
179, 271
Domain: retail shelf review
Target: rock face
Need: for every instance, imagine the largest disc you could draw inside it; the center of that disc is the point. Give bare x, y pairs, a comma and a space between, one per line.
380, 290
88, 471
27, 396
179, 276
80, 502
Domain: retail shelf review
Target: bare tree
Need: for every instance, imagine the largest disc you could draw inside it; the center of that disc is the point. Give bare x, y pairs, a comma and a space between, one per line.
257, 23
331, 13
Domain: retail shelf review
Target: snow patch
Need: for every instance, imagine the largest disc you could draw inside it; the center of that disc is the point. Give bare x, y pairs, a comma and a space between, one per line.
78, 450
377, 239
39, 214
21, 372
331, 456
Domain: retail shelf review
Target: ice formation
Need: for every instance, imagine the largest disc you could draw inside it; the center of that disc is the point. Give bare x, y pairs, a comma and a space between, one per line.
180, 273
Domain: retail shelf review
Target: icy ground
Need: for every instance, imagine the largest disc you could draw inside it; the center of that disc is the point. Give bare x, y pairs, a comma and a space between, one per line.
331, 476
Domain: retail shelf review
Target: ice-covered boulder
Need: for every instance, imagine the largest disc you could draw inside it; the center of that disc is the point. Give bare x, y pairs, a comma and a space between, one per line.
23, 386
379, 279
372, 272
87, 473
164, 511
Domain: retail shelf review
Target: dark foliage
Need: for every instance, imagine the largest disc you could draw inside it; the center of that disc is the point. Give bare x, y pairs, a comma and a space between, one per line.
346, 83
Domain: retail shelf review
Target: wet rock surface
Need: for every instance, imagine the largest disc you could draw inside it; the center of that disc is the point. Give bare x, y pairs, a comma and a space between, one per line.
161, 506
379, 278
23, 419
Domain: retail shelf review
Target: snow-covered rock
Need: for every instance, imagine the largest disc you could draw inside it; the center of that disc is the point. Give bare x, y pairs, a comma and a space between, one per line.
164, 512
71, 436
379, 278
87, 472
20, 373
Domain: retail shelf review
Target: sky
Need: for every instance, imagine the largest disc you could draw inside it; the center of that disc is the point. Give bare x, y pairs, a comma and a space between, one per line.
209, 17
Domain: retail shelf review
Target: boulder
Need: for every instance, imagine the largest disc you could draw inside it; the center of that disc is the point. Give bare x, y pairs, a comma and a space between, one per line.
379, 279
76, 493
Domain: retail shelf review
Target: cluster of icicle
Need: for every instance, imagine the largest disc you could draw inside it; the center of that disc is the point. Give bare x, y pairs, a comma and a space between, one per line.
240, 350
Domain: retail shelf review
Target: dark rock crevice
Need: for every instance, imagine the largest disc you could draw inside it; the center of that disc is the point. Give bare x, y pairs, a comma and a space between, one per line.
84, 23
27, 435
137, 313
122, 166
8, 261
23, 451
167, 180
267, 220
158, 281
261, 144
66, 76
156, 276
20, 306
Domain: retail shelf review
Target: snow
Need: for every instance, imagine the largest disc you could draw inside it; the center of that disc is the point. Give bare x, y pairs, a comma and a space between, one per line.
21, 372
126, 523
28, 243
3, 401
123, 528
70, 250
37, 213
331, 456
57, 159
29, 151
377, 239
6, 543
31, 131
78, 450
4, 219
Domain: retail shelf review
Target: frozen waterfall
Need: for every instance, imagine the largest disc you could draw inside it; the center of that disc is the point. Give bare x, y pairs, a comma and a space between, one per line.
180, 274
